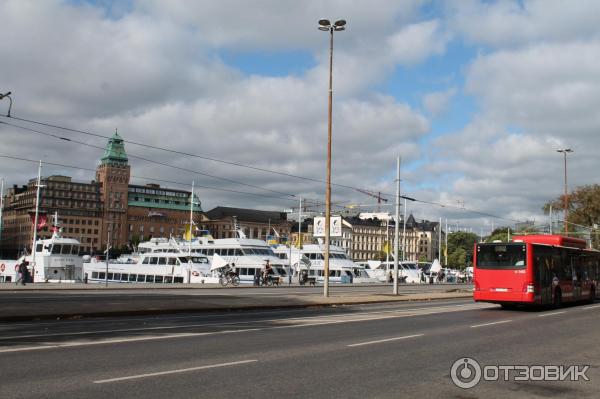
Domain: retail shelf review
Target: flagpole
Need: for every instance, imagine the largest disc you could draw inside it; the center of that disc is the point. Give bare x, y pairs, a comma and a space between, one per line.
35, 221
396, 229
191, 219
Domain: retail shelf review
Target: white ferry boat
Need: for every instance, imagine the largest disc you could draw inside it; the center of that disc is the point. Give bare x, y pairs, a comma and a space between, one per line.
156, 268
311, 259
57, 260
248, 256
408, 272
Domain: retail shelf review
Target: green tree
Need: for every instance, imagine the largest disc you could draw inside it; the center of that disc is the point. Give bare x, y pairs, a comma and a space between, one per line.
499, 234
460, 249
584, 208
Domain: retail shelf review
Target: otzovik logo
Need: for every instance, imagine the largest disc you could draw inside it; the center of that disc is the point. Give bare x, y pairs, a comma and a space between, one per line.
467, 373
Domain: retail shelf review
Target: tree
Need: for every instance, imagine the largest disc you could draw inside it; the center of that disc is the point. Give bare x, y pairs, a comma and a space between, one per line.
460, 249
584, 208
499, 234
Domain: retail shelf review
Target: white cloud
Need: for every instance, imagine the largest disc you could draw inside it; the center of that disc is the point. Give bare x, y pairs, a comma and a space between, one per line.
436, 103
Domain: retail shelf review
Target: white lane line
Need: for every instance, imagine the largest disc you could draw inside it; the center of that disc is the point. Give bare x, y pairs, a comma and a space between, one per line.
385, 340
551, 314
360, 316
133, 377
300, 322
491, 324
591, 307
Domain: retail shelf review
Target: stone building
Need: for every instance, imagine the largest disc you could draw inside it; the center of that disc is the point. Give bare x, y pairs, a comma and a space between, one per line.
108, 208
221, 222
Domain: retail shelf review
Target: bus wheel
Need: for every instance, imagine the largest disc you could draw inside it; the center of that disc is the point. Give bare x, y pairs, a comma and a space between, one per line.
557, 302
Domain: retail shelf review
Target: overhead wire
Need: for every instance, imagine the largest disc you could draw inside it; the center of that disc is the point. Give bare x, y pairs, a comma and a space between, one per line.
462, 208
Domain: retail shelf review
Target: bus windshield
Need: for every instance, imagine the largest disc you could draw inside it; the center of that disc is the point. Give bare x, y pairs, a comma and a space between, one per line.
501, 256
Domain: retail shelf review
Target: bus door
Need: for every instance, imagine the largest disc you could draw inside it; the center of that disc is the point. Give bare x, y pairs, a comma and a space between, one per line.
543, 272
577, 277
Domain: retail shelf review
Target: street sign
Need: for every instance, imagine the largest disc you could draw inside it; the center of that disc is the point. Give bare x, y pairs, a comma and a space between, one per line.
335, 226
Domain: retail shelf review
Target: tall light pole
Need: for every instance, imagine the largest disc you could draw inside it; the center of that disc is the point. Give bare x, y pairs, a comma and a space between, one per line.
566, 199
325, 25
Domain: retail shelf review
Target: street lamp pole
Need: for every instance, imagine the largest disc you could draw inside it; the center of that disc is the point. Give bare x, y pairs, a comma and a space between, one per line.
325, 25
566, 199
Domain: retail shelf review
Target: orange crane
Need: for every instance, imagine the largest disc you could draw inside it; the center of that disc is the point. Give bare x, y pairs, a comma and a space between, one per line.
374, 195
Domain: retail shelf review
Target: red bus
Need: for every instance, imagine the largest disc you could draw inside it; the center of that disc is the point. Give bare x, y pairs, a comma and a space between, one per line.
535, 270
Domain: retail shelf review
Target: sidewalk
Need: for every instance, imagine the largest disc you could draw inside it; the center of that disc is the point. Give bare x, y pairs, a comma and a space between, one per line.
168, 301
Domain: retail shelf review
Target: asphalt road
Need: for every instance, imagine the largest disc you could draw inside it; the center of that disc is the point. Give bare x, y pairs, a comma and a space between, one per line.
382, 350
40, 301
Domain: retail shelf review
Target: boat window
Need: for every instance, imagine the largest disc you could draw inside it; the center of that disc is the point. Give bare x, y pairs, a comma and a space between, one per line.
94, 274
218, 251
162, 261
132, 277
66, 250
117, 276
172, 261
149, 278
102, 275
238, 252
199, 259
141, 278
158, 279
110, 276
178, 280
183, 260
146, 261
153, 260
168, 279
56, 248
281, 271
38, 248
124, 277
75, 250
209, 253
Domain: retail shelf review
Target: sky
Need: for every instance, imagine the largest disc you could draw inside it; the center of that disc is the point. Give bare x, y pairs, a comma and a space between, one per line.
473, 96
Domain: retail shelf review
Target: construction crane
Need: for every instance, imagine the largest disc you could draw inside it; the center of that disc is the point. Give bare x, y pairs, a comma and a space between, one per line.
374, 195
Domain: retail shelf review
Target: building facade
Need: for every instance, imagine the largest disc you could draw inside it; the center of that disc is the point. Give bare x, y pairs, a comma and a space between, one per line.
222, 221
106, 210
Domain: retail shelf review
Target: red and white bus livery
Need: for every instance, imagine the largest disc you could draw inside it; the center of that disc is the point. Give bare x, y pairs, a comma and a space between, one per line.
535, 270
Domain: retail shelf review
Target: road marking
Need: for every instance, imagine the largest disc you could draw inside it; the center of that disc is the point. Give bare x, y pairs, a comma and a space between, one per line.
294, 323
133, 377
386, 340
491, 324
591, 307
325, 319
551, 314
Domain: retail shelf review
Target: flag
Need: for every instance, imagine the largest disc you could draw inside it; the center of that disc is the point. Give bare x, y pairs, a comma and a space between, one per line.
387, 247
187, 235
42, 220
299, 241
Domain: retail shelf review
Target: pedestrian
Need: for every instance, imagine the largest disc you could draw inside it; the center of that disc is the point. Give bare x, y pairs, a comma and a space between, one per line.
24, 272
390, 277
290, 277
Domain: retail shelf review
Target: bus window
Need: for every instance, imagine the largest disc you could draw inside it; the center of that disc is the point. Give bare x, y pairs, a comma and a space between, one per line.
494, 256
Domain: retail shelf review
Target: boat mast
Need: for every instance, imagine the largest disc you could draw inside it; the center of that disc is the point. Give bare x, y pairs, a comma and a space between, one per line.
35, 221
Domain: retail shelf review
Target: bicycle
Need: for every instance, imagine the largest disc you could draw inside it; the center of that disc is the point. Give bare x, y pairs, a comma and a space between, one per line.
229, 278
